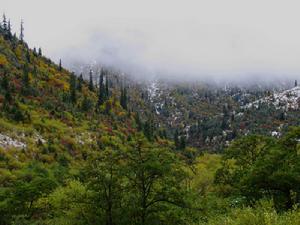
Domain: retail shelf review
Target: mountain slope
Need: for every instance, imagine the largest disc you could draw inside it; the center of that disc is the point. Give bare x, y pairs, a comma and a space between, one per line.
286, 100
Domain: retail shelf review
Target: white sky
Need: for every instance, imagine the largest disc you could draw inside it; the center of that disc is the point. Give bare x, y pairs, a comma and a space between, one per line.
194, 37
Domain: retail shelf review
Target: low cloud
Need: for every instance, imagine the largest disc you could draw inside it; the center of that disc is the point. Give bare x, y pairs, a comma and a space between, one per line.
205, 40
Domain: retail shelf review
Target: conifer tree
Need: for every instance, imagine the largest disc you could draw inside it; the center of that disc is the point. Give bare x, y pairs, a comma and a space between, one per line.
296, 83
80, 82
59, 65
5, 83
9, 27
86, 104
26, 75
73, 96
123, 98
106, 88
22, 31
28, 55
6, 91
138, 121
182, 143
91, 84
4, 23
34, 51
25, 80
149, 129
34, 72
40, 52
176, 139
9, 34
101, 94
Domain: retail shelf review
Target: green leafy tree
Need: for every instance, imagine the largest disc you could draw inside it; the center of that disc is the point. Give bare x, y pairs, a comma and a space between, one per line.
155, 177
20, 197
69, 204
106, 182
264, 167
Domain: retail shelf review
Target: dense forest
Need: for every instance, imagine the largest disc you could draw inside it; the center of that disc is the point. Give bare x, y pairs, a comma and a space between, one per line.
76, 151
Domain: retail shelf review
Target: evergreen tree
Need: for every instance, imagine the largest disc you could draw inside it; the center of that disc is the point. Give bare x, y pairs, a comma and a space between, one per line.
106, 88
224, 124
176, 139
4, 23
6, 90
91, 84
25, 80
73, 97
22, 31
9, 27
40, 52
86, 104
149, 129
80, 82
34, 51
182, 144
138, 121
34, 72
101, 94
296, 83
123, 98
28, 55
59, 65
7, 98
5, 83
9, 34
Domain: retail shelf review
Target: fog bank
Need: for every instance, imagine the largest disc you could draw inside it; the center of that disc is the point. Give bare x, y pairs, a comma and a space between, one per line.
233, 40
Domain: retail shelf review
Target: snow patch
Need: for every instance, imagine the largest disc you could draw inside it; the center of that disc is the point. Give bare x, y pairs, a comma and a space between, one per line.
288, 100
8, 142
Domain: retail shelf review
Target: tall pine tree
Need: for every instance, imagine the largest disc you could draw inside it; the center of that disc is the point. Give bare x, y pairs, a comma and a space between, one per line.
4, 23
80, 82
123, 98
101, 94
22, 31
25, 80
91, 83
59, 65
106, 88
40, 52
176, 139
73, 96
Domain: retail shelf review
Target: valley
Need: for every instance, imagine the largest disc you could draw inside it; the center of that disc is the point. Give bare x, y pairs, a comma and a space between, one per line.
99, 146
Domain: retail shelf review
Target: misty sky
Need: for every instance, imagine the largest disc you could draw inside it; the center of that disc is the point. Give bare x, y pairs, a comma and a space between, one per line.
232, 38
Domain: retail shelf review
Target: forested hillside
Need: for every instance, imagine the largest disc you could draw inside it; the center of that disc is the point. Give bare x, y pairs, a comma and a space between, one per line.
89, 151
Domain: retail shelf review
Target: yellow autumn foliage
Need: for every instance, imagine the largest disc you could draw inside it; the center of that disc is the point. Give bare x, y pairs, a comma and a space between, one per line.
3, 60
